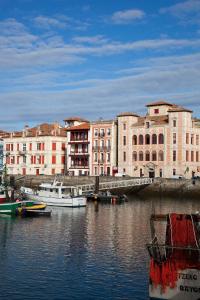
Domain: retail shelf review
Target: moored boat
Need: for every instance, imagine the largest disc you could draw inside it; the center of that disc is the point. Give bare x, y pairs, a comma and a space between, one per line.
10, 208
56, 194
175, 264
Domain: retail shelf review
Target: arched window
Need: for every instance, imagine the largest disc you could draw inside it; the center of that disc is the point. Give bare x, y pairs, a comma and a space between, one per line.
161, 138
134, 156
154, 156
141, 139
141, 156
134, 139
147, 139
160, 156
154, 139
147, 156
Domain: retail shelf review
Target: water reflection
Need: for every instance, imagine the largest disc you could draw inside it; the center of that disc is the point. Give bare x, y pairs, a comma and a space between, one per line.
88, 253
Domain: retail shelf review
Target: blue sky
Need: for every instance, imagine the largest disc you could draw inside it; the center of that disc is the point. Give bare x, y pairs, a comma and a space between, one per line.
96, 58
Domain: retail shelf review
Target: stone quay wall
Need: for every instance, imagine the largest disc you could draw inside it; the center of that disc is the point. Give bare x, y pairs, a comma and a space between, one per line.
179, 188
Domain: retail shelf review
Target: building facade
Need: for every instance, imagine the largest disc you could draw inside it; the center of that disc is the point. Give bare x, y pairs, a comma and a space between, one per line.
103, 147
164, 143
36, 151
78, 136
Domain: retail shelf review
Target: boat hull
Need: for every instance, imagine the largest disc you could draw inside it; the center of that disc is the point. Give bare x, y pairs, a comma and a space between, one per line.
187, 287
53, 201
10, 208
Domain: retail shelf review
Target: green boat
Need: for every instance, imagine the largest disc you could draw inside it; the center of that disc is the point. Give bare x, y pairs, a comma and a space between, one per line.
10, 208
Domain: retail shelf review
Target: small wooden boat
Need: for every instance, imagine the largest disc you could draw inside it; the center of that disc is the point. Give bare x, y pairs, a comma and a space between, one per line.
106, 197
175, 263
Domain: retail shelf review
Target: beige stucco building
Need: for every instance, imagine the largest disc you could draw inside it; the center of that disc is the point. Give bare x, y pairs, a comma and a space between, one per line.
35, 151
103, 151
164, 143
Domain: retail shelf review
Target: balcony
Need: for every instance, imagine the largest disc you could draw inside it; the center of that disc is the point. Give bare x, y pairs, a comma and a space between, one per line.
101, 148
77, 153
79, 167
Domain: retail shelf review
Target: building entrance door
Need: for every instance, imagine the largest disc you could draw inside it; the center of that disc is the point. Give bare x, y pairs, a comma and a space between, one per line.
151, 174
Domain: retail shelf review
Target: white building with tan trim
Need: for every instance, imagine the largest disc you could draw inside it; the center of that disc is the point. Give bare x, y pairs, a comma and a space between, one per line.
36, 151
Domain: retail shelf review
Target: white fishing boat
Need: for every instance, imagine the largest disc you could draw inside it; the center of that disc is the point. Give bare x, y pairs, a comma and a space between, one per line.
56, 194
175, 263
3, 194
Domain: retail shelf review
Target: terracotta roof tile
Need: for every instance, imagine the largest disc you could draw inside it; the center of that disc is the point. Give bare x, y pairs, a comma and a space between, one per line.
159, 103
124, 114
78, 119
83, 126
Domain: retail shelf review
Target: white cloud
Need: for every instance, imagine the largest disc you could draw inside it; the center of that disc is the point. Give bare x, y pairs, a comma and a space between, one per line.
98, 39
187, 11
48, 23
127, 16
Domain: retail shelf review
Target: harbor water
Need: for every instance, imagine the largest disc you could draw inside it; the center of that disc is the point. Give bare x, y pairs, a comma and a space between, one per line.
97, 252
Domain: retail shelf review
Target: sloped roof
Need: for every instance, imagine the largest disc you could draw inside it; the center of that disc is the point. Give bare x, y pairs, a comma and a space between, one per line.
83, 126
157, 120
159, 103
177, 108
78, 119
127, 114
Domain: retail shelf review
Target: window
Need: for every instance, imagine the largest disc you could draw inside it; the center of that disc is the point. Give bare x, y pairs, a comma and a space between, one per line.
108, 131
102, 132
63, 146
134, 156
95, 157
154, 139
53, 171
154, 156
187, 138
24, 147
156, 111
174, 155
124, 156
53, 159
161, 156
30, 146
192, 139
134, 141
187, 155
192, 155
141, 139
174, 138
124, 126
161, 138
147, 156
197, 140
174, 171
160, 172
147, 124
197, 156
141, 156
96, 132
53, 146
108, 157
24, 159
38, 146
174, 123
124, 140
147, 139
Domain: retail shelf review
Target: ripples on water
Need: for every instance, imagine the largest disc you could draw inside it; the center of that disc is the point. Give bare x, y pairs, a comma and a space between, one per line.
88, 253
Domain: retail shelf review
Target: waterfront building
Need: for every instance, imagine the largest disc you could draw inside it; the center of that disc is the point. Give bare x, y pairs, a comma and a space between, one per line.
36, 151
78, 137
103, 147
164, 143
